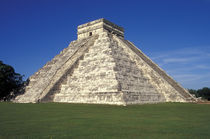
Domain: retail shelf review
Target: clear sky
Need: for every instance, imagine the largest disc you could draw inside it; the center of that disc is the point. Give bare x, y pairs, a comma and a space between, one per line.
173, 33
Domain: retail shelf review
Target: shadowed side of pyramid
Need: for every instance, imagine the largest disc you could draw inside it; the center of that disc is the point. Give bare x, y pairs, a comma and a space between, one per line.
163, 75
156, 78
102, 67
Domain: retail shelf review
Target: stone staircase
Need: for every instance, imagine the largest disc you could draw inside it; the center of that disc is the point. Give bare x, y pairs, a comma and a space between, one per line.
41, 79
66, 70
93, 80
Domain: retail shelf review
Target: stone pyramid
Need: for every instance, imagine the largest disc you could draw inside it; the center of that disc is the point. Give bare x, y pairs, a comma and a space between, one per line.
102, 67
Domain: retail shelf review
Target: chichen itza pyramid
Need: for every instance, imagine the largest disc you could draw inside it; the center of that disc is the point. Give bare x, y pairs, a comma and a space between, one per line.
102, 67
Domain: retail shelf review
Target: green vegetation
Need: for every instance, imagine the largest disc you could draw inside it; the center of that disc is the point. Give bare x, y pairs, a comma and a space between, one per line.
10, 82
53, 120
204, 93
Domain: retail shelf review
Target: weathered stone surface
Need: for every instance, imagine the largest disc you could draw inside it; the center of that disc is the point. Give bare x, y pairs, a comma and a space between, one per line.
98, 26
102, 68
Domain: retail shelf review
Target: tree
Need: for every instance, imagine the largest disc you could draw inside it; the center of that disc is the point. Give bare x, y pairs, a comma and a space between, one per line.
204, 93
10, 82
194, 92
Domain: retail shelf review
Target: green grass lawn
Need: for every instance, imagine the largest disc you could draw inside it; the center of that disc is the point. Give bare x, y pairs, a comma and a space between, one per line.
54, 120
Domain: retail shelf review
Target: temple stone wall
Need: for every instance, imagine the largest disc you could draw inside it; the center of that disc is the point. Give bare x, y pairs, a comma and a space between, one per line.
97, 27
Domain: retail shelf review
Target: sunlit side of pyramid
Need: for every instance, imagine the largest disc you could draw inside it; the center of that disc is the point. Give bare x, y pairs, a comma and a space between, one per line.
102, 67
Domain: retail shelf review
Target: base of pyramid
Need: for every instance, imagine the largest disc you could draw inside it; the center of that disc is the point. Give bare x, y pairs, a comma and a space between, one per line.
112, 98
115, 98
142, 98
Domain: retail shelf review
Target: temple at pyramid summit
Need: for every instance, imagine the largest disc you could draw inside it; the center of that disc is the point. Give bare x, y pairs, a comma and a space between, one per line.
101, 67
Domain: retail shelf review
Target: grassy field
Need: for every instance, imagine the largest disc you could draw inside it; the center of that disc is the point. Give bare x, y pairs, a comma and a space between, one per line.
53, 120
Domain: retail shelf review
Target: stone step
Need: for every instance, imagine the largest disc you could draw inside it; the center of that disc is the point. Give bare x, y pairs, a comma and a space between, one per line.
41, 78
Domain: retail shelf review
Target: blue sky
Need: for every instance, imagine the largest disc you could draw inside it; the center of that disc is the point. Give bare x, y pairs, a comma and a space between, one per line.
174, 33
